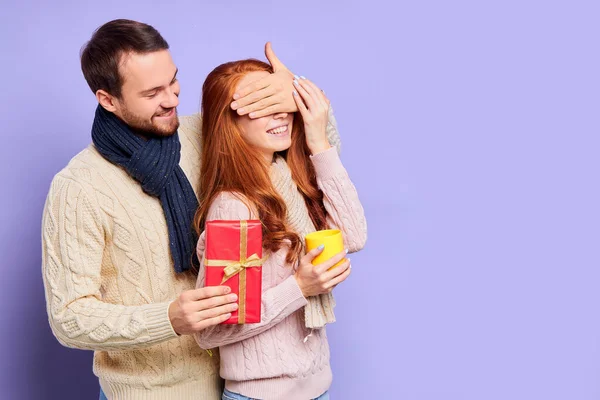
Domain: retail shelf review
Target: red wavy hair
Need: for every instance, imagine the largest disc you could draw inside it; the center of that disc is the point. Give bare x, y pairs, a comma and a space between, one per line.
230, 164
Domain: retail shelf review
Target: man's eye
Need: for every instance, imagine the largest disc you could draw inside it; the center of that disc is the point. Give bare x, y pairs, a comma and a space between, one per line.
151, 95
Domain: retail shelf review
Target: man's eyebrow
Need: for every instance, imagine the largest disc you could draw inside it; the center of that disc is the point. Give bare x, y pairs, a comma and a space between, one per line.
148, 91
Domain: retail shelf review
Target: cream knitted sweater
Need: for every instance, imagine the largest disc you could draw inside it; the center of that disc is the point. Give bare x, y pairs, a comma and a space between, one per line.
109, 278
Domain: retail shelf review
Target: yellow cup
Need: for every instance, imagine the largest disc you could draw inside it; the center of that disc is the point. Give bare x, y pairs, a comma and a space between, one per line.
331, 239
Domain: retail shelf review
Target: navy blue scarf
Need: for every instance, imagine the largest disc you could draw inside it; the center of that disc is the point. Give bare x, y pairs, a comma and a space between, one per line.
155, 164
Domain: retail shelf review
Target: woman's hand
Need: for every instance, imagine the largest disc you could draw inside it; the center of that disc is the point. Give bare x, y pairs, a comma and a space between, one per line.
314, 108
317, 279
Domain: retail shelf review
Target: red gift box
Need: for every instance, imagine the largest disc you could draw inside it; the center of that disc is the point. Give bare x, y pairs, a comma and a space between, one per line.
233, 257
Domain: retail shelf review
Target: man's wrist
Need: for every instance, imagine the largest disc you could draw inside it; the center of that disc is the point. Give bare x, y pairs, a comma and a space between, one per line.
172, 311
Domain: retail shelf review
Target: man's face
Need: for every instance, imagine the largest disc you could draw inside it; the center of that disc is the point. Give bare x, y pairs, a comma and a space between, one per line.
150, 93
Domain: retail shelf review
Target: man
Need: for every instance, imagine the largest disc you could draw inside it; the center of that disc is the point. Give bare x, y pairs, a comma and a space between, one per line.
117, 237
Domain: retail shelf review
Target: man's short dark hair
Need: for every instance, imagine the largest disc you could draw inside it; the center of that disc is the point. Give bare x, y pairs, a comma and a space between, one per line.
100, 57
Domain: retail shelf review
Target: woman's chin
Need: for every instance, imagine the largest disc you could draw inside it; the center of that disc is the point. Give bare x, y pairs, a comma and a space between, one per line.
282, 145
284, 148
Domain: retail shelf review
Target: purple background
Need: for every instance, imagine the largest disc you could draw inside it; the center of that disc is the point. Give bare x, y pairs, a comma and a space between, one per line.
471, 130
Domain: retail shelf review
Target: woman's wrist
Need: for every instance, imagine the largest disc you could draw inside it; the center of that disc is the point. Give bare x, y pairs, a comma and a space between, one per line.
319, 147
298, 282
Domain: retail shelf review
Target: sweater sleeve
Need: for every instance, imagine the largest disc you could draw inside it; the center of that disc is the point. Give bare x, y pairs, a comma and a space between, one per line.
340, 199
72, 251
278, 302
333, 135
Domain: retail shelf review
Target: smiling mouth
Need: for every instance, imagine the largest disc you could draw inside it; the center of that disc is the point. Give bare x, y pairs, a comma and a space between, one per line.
167, 114
280, 130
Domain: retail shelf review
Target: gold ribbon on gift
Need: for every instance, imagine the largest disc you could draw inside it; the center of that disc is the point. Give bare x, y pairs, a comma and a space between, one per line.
234, 267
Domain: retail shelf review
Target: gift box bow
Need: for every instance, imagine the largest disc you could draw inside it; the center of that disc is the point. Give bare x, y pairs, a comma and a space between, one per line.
234, 267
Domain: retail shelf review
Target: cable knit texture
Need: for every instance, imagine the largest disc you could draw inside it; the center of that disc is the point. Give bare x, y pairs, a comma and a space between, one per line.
270, 360
109, 278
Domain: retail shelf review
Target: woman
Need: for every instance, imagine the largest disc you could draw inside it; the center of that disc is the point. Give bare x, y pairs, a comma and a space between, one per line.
246, 167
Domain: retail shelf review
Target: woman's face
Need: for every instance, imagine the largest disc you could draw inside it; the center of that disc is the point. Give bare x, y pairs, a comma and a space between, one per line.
268, 134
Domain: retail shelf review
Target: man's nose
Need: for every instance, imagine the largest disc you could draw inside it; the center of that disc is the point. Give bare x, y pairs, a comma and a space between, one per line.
171, 100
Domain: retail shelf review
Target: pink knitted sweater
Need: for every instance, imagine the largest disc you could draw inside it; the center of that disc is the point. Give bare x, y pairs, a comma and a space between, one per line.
271, 360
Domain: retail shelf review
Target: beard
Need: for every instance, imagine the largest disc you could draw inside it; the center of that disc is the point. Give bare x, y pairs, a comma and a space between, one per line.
150, 128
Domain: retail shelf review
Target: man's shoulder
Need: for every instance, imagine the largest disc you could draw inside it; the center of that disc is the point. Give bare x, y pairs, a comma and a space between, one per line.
190, 129
190, 125
85, 168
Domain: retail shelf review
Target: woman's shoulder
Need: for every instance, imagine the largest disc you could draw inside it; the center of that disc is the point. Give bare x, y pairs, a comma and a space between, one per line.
231, 205
230, 198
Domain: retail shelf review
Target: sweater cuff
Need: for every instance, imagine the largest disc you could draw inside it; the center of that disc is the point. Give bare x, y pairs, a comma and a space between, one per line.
289, 293
327, 163
158, 323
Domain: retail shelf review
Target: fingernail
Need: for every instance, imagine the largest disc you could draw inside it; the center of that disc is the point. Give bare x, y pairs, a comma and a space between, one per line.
295, 93
321, 247
236, 96
296, 77
227, 289
232, 297
241, 110
301, 77
234, 306
296, 82
234, 105
346, 251
253, 114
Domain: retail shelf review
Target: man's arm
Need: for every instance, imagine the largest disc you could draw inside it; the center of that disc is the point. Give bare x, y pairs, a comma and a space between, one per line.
72, 251
269, 95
